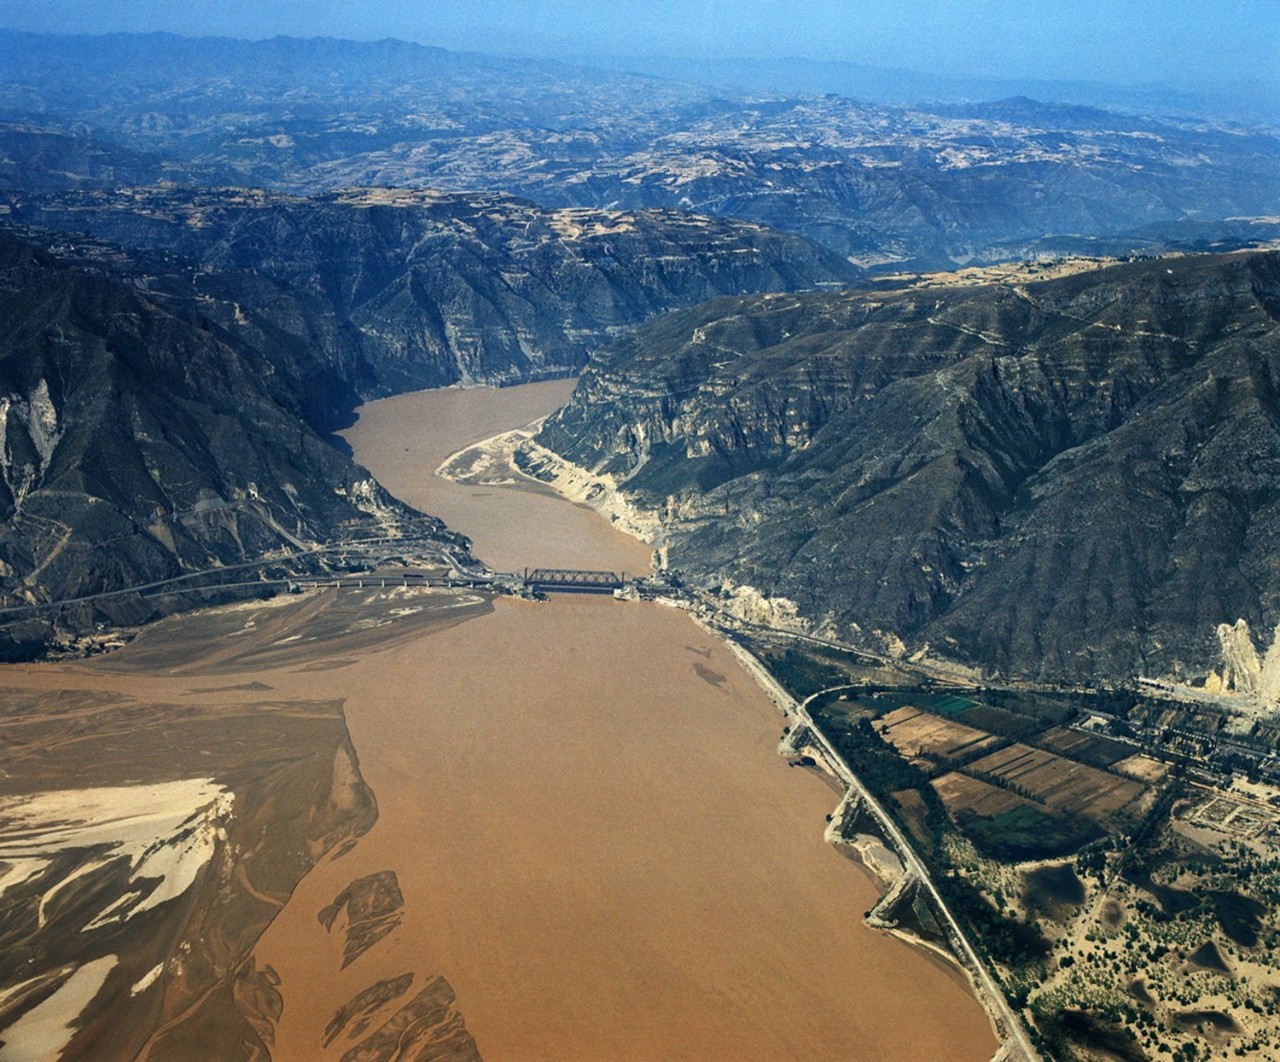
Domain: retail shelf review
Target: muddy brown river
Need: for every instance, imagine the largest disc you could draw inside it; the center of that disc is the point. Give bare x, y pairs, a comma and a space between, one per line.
584, 844
595, 843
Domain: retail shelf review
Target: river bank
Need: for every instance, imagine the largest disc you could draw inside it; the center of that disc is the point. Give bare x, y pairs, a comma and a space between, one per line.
596, 841
512, 458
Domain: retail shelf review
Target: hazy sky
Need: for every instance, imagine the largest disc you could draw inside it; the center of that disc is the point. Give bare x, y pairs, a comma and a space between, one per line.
1189, 43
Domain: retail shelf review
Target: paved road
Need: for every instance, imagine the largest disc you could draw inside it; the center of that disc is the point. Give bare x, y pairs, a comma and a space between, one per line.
1016, 1046
371, 551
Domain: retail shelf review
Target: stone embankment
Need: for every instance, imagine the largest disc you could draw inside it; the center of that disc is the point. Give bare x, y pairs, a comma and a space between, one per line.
804, 737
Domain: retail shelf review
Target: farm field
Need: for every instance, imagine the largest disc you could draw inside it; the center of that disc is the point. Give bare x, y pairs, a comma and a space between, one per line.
1006, 826
1060, 783
1142, 768
960, 794
1087, 748
914, 733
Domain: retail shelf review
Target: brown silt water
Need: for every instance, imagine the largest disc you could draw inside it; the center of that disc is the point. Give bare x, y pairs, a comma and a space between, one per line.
594, 840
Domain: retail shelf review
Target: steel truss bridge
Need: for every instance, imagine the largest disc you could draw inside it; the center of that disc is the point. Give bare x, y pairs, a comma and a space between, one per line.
573, 580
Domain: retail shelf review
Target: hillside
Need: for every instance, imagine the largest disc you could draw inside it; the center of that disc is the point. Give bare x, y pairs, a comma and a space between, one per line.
139, 443
1073, 480
427, 289
44, 158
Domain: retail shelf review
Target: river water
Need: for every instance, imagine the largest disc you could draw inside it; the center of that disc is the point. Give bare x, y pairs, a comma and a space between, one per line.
595, 839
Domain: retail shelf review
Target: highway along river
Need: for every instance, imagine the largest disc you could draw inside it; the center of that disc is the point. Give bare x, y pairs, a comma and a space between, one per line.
597, 852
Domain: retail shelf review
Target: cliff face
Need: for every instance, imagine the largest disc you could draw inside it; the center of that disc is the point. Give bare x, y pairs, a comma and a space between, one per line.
406, 290
1065, 480
139, 442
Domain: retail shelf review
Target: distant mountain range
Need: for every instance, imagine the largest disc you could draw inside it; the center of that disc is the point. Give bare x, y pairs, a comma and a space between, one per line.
1237, 96
914, 186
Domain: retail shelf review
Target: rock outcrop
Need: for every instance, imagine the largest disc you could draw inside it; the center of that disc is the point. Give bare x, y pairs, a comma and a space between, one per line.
1242, 670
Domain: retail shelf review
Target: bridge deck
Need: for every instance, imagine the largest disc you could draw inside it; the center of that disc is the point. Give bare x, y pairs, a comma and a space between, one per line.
573, 579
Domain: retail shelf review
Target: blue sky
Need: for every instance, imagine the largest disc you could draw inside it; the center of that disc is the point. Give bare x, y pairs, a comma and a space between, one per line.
1184, 43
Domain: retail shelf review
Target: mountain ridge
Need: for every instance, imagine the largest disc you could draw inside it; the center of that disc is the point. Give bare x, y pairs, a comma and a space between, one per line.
1070, 480
929, 186
428, 289
139, 443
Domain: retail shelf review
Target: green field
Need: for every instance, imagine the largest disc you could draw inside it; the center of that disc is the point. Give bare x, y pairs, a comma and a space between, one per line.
947, 704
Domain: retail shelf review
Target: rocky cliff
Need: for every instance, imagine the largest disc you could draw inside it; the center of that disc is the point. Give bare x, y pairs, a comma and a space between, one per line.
401, 289
139, 442
1069, 480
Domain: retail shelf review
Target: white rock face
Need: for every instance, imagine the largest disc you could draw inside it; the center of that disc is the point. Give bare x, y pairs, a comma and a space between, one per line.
599, 492
1269, 686
36, 417
367, 496
1242, 670
747, 603
43, 423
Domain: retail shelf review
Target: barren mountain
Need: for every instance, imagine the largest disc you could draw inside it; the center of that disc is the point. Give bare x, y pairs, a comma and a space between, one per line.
1070, 480
426, 289
139, 443
928, 185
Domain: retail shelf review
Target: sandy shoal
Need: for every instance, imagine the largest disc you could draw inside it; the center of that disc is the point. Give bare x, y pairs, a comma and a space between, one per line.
596, 841
600, 849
